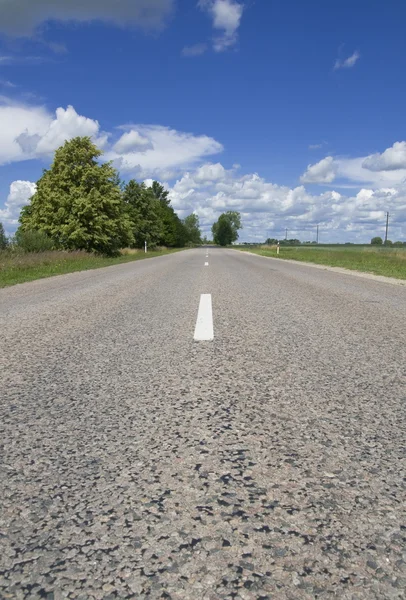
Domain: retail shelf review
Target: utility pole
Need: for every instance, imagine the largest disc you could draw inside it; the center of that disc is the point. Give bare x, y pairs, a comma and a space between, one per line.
286, 234
317, 235
387, 225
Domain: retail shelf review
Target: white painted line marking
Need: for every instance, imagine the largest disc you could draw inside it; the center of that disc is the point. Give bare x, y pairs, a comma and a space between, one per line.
206, 264
204, 324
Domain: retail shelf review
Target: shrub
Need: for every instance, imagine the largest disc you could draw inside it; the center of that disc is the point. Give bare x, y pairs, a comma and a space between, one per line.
33, 241
3, 238
377, 241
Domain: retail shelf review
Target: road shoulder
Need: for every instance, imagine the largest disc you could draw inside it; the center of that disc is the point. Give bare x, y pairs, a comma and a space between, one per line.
342, 270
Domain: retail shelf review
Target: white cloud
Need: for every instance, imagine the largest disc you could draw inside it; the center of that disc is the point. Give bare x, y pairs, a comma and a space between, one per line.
321, 172
30, 132
7, 84
67, 125
226, 15
19, 196
210, 172
376, 170
132, 141
391, 159
25, 60
268, 208
168, 151
195, 50
347, 63
21, 17
315, 146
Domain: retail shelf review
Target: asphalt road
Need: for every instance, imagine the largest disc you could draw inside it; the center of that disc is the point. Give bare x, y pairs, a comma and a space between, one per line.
138, 462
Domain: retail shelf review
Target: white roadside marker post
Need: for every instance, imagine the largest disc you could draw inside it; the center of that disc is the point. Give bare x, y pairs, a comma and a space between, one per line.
277, 249
145, 248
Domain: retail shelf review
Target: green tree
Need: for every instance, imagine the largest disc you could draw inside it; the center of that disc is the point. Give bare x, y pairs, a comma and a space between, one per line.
78, 202
160, 192
3, 238
173, 230
377, 241
143, 210
193, 233
225, 230
388, 243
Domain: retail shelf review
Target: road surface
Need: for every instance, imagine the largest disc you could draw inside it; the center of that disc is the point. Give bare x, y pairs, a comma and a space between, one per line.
140, 462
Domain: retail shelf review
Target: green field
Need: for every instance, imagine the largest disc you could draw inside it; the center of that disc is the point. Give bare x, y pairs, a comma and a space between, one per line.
390, 262
21, 267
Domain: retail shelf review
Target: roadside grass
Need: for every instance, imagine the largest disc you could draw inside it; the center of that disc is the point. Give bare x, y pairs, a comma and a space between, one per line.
389, 262
16, 267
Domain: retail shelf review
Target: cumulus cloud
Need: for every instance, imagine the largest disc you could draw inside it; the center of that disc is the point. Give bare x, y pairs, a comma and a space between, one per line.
132, 141
21, 17
30, 132
376, 170
163, 153
226, 16
210, 172
347, 63
267, 208
195, 50
321, 172
19, 196
391, 159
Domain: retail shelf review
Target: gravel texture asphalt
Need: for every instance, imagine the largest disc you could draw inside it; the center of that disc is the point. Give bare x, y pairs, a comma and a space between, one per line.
139, 463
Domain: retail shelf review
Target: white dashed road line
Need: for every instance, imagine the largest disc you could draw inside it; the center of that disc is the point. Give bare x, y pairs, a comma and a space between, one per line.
204, 324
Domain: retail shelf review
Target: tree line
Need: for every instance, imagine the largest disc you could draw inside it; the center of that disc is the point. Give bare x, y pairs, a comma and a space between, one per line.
82, 204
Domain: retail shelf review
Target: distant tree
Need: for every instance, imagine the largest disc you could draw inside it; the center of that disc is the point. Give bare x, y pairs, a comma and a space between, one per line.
160, 192
398, 244
78, 202
271, 242
292, 242
3, 238
225, 230
377, 241
388, 243
173, 230
193, 234
143, 210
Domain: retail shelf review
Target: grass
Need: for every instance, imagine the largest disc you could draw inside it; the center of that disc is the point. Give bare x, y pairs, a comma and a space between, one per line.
390, 262
21, 267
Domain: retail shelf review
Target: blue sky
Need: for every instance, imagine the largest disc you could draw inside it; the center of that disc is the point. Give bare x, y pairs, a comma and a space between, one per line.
291, 112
